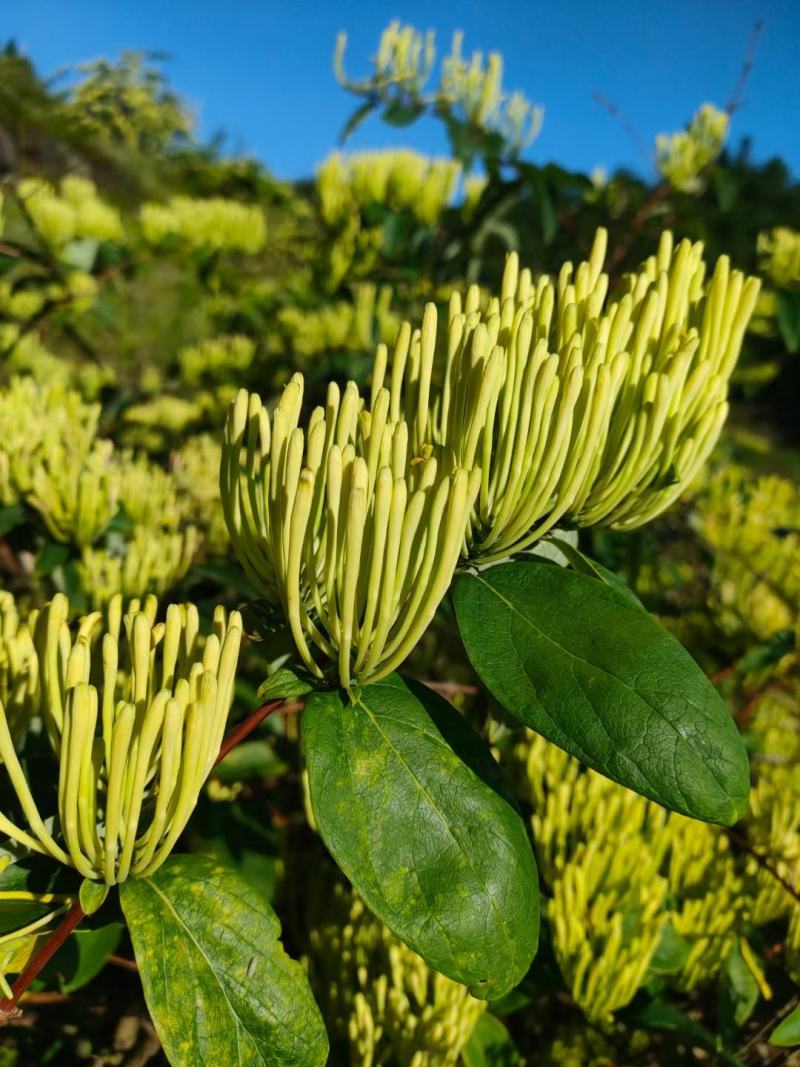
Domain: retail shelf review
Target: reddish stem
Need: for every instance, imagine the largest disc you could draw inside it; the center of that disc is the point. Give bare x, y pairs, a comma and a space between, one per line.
244, 729
42, 957
126, 965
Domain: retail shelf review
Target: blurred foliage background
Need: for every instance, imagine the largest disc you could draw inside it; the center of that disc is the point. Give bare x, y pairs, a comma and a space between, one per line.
145, 276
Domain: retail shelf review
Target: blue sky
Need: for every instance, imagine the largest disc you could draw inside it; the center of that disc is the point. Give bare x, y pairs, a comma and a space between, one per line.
261, 71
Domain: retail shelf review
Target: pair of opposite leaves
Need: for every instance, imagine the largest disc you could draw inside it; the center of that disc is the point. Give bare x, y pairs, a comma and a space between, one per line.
411, 804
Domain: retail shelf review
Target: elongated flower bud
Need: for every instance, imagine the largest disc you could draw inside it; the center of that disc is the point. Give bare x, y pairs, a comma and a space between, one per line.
358, 535
19, 668
135, 711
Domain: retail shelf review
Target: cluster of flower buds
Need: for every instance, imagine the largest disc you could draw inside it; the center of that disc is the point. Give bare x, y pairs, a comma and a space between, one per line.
51, 459
612, 893
135, 711
779, 253
152, 559
149, 494
216, 358
401, 179
471, 89
681, 157
578, 406
378, 995
75, 211
404, 58
195, 469
359, 534
752, 527
552, 403
77, 494
357, 324
476, 91
212, 223
38, 422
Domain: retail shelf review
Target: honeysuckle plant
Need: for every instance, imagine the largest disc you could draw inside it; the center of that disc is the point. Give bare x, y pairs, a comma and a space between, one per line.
556, 404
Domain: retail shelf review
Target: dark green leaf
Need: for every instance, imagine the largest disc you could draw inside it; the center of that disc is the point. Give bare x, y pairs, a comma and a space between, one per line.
11, 516
285, 682
262, 618
251, 759
51, 555
409, 801
574, 659
402, 113
738, 992
787, 1033
356, 119
540, 188
787, 306
584, 564
92, 895
218, 983
490, 1045
672, 952
38, 874
82, 957
725, 186
660, 1016
238, 836
768, 653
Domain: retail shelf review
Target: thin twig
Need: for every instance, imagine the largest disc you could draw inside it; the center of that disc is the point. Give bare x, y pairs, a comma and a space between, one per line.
659, 193
769, 1026
619, 115
735, 100
123, 964
764, 863
721, 675
450, 689
8, 561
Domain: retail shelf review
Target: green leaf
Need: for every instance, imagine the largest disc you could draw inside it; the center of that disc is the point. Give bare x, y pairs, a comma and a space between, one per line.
51, 555
92, 895
575, 660
284, 683
251, 759
738, 992
584, 564
81, 253
83, 956
410, 803
490, 1045
767, 654
660, 1016
400, 113
672, 952
787, 309
355, 120
11, 516
787, 1033
36, 874
218, 983
540, 188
